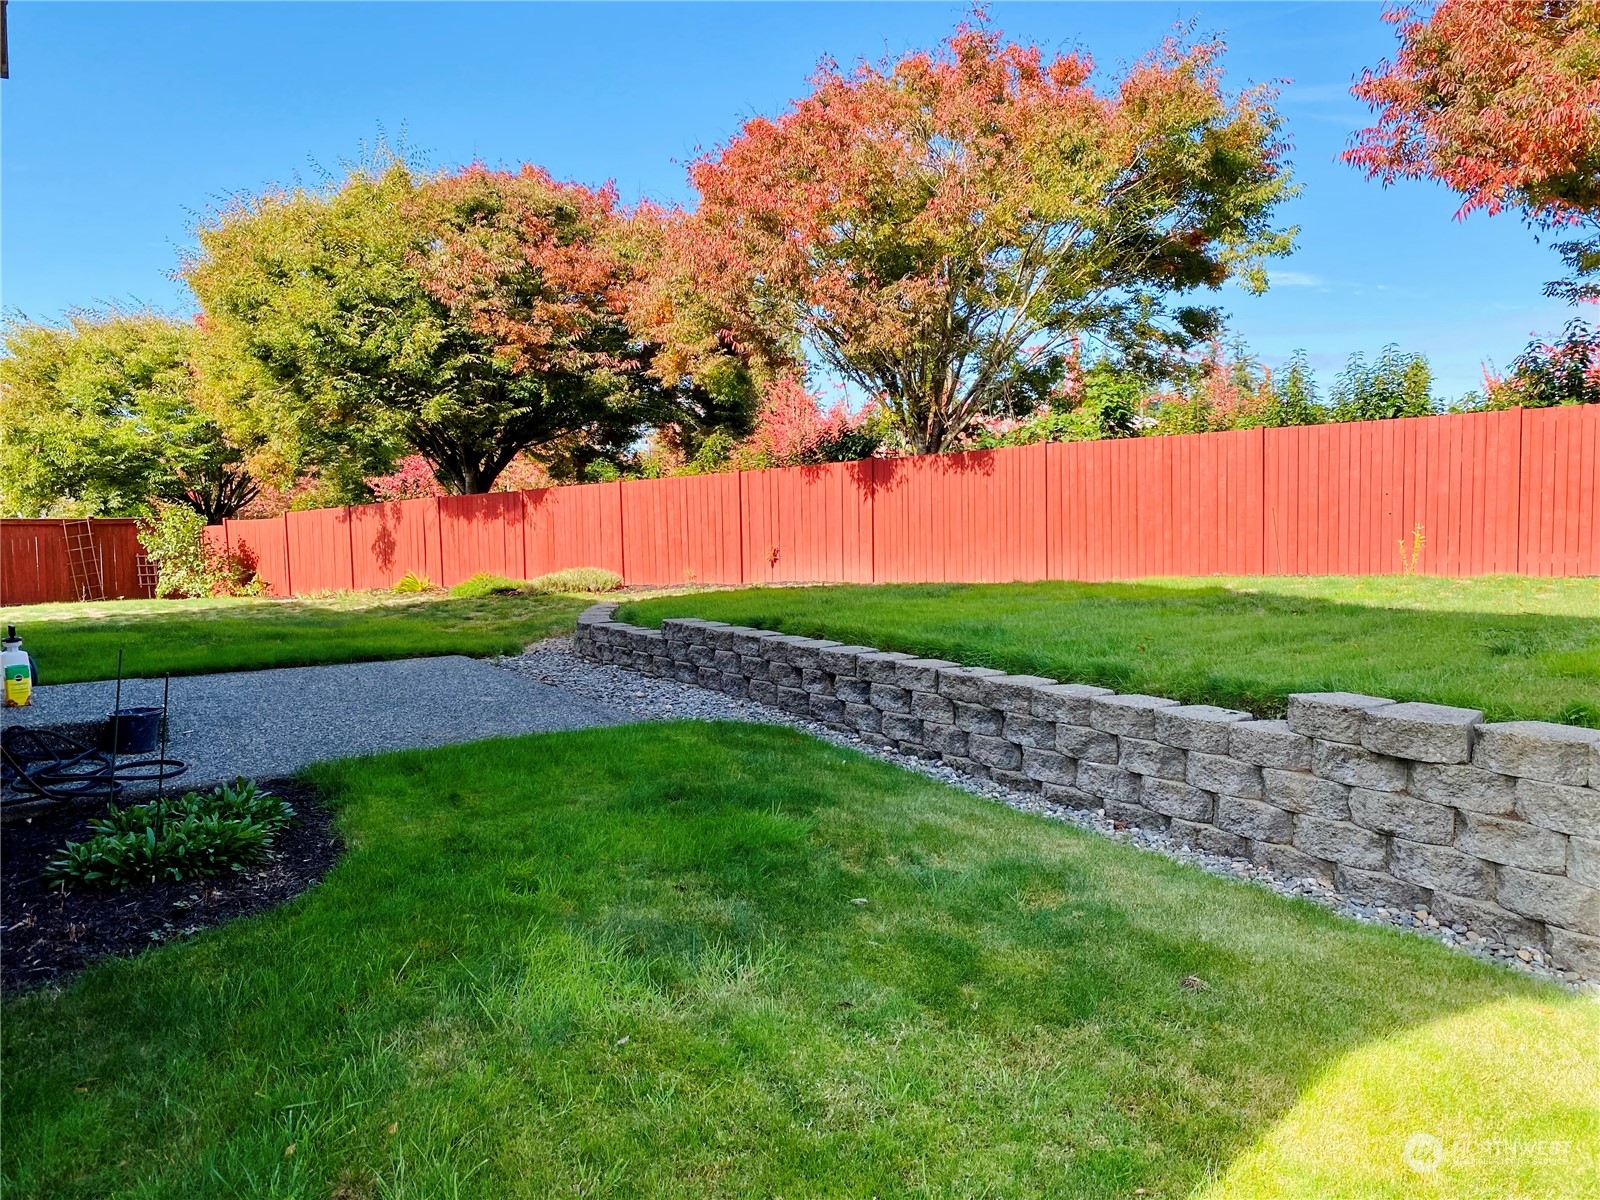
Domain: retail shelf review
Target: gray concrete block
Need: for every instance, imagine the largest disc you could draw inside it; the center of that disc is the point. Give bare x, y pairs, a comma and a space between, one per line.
1226, 776
1088, 744
1357, 767
946, 739
1297, 792
1332, 716
1403, 815
1487, 918
1136, 816
853, 690
1559, 807
795, 700
1439, 867
931, 706
1070, 797
1012, 693
1553, 899
1202, 727
901, 727
1513, 843
1173, 799
966, 766
979, 718
920, 674
1015, 780
1583, 860
1538, 750
1575, 952
1270, 744
1108, 782
764, 691
1049, 767
827, 708
1289, 862
1028, 731
1252, 819
879, 666
1421, 732
994, 752
1464, 787
842, 660
753, 668
885, 697
1068, 702
1340, 842
961, 683
783, 674
1208, 839
1379, 888
817, 681
1151, 758
1132, 715
863, 718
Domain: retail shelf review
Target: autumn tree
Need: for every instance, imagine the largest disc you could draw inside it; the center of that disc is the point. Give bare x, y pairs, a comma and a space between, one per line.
467, 316
1499, 100
935, 230
101, 415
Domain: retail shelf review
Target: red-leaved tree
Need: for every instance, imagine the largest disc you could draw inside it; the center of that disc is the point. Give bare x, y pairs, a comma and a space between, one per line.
937, 229
1499, 100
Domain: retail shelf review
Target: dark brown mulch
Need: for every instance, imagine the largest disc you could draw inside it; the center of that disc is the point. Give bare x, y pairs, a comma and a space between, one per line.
48, 935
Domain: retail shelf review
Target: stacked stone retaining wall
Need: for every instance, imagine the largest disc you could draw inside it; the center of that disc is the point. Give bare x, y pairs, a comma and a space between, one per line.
1495, 826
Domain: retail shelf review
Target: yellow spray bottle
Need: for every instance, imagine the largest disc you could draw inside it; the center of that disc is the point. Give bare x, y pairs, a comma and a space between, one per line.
18, 669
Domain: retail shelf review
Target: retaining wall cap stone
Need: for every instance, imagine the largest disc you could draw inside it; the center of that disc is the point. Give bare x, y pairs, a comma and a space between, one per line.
1541, 750
1332, 716
1422, 732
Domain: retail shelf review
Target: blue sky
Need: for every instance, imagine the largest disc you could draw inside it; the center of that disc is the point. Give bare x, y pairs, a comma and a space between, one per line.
121, 122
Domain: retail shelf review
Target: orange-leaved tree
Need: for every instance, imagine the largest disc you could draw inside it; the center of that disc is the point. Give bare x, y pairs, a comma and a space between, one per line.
935, 230
1499, 100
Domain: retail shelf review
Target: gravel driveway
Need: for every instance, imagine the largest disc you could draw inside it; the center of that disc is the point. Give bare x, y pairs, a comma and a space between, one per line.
267, 723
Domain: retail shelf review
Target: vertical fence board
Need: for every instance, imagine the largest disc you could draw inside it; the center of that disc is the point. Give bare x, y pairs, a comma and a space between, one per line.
1560, 493
481, 534
34, 566
264, 545
579, 526
394, 539
683, 529
319, 550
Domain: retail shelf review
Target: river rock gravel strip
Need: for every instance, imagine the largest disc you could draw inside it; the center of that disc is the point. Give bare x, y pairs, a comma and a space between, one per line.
645, 698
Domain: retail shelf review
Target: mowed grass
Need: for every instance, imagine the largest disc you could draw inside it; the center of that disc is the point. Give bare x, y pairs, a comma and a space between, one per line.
696, 960
1514, 647
77, 642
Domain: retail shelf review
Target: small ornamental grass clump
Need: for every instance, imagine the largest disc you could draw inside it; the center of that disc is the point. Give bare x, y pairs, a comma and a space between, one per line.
573, 579
174, 839
411, 583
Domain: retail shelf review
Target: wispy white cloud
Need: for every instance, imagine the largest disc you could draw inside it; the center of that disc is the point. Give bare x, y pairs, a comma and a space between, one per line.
1295, 279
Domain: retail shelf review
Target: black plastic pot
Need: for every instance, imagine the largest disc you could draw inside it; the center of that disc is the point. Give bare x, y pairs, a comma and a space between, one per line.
133, 731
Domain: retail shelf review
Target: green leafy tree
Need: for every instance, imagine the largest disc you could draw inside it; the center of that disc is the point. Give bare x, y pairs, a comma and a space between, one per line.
468, 316
103, 415
1395, 385
939, 229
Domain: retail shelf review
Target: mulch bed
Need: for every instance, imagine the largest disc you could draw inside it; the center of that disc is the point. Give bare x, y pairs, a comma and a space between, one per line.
48, 935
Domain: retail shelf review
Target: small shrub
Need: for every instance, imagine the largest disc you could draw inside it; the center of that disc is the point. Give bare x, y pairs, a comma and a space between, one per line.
575, 579
186, 565
174, 839
484, 584
411, 583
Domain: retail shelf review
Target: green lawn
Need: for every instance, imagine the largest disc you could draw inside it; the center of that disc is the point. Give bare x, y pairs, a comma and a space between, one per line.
75, 642
695, 960
1514, 647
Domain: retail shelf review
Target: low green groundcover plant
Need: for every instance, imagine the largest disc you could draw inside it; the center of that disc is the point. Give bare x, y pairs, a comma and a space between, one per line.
173, 839
411, 584
573, 579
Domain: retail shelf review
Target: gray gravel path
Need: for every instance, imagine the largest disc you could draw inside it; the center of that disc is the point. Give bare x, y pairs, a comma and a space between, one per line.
266, 723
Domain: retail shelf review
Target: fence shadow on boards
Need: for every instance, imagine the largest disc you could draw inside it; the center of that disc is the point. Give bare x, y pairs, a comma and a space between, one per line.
1515, 491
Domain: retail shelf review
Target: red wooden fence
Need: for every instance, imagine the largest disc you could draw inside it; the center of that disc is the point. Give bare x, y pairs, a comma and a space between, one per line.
36, 564
1515, 491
